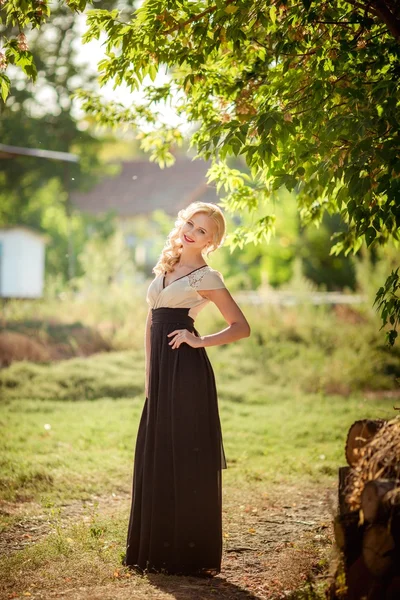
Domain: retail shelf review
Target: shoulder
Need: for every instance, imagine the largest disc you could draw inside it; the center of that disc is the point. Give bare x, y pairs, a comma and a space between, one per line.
215, 273
210, 279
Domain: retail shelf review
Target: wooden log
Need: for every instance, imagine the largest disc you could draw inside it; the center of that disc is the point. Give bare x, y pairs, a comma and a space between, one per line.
349, 535
358, 435
343, 479
339, 534
378, 549
394, 520
361, 584
373, 503
393, 588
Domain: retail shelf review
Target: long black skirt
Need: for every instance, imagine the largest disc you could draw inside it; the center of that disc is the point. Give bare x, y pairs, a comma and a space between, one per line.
175, 524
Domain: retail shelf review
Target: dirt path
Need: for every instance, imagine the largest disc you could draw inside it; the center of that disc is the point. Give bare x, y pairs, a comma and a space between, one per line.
273, 543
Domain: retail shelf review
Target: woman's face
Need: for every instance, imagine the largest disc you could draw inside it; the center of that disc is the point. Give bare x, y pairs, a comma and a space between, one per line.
197, 231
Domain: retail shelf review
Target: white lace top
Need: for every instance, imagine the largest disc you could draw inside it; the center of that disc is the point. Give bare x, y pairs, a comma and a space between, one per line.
182, 292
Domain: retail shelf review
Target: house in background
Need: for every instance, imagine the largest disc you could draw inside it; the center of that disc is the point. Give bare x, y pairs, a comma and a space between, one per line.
142, 187
22, 249
22, 262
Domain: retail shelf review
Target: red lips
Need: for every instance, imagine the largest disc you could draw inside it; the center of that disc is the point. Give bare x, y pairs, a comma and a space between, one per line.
187, 239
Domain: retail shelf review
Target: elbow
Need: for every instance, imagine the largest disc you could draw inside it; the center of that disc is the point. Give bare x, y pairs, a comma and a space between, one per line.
246, 331
242, 329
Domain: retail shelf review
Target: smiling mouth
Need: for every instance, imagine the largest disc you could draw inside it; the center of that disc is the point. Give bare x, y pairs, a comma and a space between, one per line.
187, 239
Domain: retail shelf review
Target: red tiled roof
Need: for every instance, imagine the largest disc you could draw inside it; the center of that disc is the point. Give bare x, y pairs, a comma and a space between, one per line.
142, 187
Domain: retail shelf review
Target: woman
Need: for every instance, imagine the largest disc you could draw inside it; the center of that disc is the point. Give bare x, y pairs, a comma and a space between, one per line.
175, 525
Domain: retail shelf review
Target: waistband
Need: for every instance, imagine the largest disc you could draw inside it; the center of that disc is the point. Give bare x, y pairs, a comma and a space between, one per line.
166, 314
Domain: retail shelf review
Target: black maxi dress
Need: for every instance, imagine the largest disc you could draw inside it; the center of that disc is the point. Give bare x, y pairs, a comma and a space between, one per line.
175, 523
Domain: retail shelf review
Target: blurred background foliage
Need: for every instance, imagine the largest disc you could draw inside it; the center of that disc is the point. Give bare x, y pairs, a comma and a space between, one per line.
106, 277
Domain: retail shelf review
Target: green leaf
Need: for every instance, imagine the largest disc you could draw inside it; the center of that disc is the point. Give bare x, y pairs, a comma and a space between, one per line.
5, 86
370, 235
231, 9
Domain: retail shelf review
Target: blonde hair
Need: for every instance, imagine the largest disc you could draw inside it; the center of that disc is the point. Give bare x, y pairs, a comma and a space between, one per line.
172, 250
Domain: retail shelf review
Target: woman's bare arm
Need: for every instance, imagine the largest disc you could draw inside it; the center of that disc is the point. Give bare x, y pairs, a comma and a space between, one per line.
238, 326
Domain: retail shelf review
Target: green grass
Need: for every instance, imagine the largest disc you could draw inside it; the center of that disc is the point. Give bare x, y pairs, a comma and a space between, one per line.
287, 395
292, 437
86, 553
72, 449
118, 374
312, 348
308, 349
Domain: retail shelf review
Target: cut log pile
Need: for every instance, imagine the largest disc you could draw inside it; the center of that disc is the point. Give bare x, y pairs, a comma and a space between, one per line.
367, 524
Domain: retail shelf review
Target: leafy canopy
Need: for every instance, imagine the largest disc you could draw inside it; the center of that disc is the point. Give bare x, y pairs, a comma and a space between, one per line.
307, 92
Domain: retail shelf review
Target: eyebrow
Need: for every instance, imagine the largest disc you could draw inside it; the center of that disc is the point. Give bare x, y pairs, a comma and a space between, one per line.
199, 225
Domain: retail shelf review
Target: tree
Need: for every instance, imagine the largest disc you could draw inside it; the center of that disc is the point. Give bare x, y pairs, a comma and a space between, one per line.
35, 191
306, 92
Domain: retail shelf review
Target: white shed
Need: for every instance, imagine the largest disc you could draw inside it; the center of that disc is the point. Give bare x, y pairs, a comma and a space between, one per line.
22, 256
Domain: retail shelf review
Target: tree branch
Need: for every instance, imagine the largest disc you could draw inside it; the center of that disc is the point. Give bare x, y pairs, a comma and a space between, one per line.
346, 23
388, 17
365, 7
379, 9
197, 17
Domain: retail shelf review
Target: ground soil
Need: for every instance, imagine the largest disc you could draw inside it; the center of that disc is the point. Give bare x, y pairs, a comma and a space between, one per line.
274, 542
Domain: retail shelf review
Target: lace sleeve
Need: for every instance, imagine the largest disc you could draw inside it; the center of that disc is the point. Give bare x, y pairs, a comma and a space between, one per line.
207, 279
